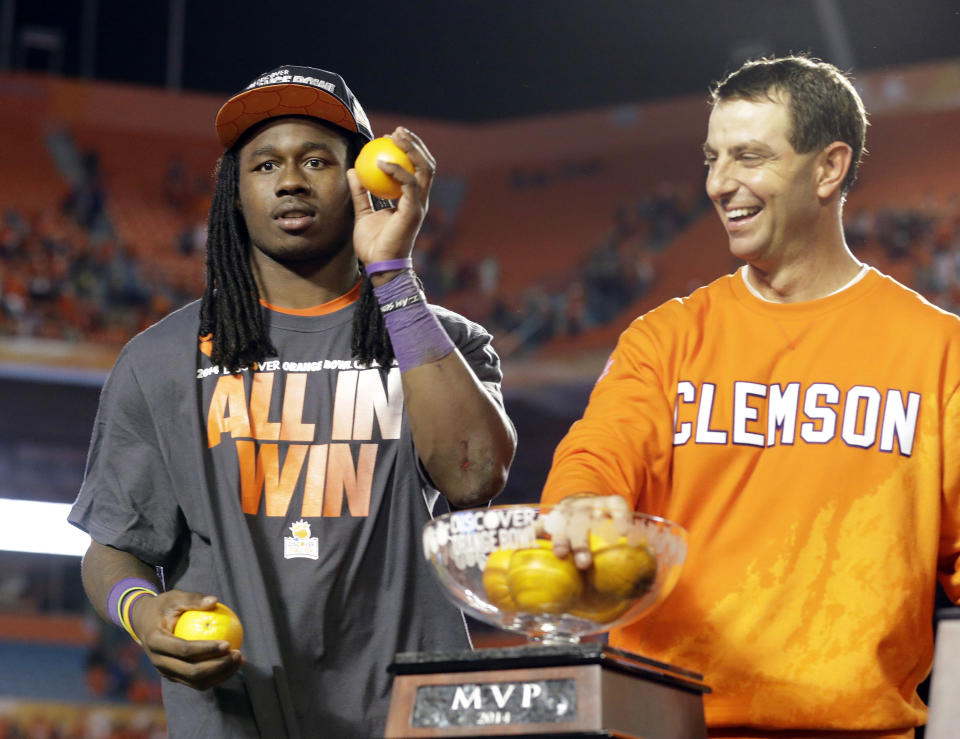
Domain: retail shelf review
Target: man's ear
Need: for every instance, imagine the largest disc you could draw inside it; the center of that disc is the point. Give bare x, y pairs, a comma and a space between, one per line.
835, 161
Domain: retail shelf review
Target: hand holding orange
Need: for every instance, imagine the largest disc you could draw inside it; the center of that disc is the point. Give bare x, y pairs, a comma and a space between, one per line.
217, 624
620, 569
378, 182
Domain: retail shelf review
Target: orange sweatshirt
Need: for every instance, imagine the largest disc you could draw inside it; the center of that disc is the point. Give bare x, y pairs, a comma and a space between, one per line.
812, 452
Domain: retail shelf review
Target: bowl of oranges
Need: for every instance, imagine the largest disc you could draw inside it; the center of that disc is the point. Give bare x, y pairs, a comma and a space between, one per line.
498, 564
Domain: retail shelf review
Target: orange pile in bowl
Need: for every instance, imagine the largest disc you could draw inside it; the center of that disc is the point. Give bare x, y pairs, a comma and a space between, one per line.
535, 580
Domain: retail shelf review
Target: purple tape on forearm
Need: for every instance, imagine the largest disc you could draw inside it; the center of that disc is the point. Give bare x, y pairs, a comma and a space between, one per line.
415, 332
113, 599
389, 265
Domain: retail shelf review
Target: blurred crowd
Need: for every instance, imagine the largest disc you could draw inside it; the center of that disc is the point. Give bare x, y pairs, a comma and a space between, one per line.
58, 280
613, 273
116, 669
81, 723
117, 697
925, 240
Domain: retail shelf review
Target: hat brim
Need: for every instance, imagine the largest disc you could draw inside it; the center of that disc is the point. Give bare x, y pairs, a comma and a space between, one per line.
248, 108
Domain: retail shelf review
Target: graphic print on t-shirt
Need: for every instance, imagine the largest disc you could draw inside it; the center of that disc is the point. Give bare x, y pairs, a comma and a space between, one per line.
290, 445
301, 544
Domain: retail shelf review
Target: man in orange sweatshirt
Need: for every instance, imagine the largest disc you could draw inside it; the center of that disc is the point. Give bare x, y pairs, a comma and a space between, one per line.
801, 418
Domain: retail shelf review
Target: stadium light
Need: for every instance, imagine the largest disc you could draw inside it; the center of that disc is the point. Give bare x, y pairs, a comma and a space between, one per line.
41, 528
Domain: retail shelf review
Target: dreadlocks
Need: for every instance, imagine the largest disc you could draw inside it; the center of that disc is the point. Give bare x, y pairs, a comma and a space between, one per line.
230, 309
370, 339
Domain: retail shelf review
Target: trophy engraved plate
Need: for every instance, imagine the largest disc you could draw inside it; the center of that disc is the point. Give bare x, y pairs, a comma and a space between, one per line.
495, 703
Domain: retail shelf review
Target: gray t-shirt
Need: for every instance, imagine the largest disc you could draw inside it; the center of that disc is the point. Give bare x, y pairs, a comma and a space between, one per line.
292, 491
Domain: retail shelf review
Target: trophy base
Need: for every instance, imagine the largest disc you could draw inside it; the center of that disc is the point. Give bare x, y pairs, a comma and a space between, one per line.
576, 690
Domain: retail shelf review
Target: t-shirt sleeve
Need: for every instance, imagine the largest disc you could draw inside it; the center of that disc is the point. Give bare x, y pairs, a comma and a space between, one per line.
949, 554
476, 346
623, 444
126, 500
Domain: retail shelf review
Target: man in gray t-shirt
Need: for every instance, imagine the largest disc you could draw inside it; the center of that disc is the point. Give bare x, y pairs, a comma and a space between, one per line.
279, 444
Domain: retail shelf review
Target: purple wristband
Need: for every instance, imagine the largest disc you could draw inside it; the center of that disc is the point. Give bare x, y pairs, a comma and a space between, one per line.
415, 332
117, 591
388, 265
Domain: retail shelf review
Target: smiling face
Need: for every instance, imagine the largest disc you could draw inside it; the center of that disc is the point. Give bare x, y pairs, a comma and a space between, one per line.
764, 191
293, 192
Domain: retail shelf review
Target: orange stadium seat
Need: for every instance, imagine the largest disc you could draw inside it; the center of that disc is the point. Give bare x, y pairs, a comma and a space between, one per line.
28, 178
539, 231
134, 167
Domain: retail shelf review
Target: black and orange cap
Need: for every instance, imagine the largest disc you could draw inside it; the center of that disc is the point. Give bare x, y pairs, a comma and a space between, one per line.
289, 90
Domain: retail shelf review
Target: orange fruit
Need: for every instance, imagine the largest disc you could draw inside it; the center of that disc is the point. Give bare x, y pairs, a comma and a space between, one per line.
495, 579
599, 608
541, 582
217, 624
378, 182
619, 569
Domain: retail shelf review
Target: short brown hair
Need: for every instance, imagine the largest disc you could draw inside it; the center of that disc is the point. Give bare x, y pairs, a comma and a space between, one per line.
823, 104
